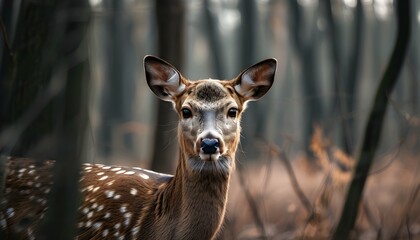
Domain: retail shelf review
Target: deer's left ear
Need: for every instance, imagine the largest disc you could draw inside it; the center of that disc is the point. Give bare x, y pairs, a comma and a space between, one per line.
254, 82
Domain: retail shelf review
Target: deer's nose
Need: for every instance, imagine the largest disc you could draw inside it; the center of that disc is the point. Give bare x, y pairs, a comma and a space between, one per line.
209, 145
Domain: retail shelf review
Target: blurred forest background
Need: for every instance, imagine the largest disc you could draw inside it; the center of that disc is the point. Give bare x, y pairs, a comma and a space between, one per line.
72, 88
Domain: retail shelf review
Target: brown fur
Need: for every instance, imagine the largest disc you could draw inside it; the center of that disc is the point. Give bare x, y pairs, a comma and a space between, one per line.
133, 203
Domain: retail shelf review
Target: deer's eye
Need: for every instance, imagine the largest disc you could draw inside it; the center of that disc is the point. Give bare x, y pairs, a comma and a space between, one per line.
186, 113
233, 112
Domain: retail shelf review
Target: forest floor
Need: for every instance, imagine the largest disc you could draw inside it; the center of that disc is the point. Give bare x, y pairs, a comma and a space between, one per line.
263, 203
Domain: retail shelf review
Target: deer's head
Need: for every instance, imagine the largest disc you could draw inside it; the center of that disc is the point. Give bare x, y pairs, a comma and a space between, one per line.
209, 110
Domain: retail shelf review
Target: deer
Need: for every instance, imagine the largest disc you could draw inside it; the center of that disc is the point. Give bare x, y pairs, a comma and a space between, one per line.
133, 203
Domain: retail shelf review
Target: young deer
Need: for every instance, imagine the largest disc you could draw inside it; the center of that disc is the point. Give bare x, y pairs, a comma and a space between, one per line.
134, 203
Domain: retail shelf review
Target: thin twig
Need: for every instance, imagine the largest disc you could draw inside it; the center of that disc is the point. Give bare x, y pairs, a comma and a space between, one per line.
409, 205
369, 215
252, 204
293, 180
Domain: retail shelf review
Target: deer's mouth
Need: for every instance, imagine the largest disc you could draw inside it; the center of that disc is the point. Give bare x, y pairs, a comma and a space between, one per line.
222, 165
209, 157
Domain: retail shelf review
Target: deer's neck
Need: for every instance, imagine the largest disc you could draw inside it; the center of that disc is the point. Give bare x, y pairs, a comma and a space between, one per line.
202, 197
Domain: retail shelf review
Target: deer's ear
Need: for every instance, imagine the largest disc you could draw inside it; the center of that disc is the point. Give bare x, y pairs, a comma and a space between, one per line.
163, 79
254, 82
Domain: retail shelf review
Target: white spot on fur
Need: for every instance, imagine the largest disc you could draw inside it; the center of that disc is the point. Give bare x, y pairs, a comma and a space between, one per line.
123, 209
100, 173
103, 178
119, 172
110, 183
109, 193
85, 210
127, 218
144, 175
135, 231
105, 233
116, 169
97, 225
133, 191
10, 212
117, 196
107, 215
129, 173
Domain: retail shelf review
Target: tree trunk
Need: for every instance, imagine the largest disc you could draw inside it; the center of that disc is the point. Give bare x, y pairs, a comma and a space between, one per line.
305, 50
118, 93
352, 79
375, 121
170, 36
213, 36
47, 114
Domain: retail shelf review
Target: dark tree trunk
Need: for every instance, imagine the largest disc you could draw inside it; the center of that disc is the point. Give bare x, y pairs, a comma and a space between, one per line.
170, 36
213, 36
352, 79
118, 93
305, 50
374, 123
344, 85
247, 55
47, 112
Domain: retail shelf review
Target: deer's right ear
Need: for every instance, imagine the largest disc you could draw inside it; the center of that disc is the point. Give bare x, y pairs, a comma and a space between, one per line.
163, 79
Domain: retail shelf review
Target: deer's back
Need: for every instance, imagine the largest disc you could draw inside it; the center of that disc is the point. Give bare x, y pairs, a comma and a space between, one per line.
115, 200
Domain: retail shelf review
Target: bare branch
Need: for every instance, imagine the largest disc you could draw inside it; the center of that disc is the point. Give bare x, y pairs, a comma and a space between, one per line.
252, 204
274, 150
